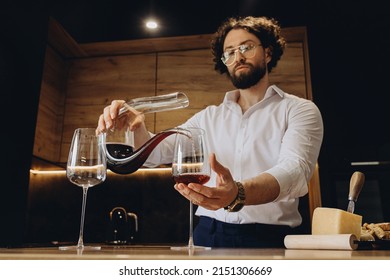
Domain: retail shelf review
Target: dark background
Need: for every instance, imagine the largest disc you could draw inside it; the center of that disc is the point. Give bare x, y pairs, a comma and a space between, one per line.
349, 59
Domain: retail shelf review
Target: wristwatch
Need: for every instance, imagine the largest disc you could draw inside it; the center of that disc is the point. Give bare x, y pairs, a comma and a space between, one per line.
239, 202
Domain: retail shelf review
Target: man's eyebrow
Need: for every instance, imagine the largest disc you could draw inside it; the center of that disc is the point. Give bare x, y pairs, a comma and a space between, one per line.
242, 43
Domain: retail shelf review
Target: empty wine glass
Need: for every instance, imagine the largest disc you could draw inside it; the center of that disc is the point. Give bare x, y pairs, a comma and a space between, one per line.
190, 165
86, 168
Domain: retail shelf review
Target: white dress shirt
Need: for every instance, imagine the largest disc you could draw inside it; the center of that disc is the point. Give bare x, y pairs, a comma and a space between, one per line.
280, 135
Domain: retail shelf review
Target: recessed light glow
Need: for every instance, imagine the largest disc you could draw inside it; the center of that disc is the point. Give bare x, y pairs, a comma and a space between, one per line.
151, 24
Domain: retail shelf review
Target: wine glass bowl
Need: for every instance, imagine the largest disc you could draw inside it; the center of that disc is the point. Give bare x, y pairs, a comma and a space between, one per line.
190, 165
86, 168
84, 176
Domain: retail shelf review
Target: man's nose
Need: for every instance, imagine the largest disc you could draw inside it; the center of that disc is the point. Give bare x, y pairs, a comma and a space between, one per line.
239, 56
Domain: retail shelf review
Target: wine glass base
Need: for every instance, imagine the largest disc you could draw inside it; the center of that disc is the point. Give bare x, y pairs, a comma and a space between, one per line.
75, 248
189, 248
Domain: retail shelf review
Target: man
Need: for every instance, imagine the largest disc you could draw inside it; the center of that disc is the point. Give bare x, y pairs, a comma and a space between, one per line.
266, 141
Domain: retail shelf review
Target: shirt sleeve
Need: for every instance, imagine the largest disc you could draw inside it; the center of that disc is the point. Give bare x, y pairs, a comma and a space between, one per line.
299, 150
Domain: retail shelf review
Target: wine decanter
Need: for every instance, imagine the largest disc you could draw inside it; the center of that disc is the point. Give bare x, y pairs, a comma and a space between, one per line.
121, 157
159, 103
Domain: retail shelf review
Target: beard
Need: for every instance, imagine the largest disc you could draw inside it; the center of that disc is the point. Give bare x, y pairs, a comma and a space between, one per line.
250, 78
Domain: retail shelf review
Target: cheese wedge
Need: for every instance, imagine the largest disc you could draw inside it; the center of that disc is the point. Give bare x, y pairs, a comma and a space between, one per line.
335, 221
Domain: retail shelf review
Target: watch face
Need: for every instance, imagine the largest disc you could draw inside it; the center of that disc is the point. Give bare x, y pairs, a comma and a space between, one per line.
238, 207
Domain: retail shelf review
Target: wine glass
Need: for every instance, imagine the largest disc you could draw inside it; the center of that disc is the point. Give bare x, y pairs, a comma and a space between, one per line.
190, 165
86, 168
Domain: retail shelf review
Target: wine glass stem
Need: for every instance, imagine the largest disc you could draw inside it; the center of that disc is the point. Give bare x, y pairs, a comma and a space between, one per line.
80, 243
191, 239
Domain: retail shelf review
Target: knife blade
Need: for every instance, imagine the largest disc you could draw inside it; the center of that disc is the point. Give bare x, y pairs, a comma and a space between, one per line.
355, 186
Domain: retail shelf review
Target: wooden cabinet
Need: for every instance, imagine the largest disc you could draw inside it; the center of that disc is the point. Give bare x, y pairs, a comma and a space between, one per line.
81, 79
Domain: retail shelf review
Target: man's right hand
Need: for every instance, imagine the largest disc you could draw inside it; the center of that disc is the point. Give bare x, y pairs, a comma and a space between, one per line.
133, 118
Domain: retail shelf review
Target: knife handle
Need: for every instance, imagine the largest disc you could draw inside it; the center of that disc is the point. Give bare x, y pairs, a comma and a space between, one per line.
355, 185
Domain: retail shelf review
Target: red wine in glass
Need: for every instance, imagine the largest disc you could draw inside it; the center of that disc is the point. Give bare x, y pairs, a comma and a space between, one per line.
191, 178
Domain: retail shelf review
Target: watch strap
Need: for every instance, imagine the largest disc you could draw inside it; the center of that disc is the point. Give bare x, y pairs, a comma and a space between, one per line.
238, 203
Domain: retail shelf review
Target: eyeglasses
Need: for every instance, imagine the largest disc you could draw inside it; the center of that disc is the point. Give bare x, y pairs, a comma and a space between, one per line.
230, 56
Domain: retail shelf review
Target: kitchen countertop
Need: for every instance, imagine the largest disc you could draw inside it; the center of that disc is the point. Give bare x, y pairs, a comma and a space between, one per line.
148, 252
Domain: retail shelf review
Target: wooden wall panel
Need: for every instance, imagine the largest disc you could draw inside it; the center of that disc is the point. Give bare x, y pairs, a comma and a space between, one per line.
191, 72
150, 45
290, 72
48, 130
94, 82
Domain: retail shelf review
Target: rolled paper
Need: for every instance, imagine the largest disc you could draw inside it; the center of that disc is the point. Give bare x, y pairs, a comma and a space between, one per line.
318, 242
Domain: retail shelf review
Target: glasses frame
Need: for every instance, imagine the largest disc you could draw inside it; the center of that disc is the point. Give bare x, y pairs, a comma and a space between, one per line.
242, 51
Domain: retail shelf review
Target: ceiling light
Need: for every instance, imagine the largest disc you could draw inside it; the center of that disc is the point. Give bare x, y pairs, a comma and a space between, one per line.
151, 24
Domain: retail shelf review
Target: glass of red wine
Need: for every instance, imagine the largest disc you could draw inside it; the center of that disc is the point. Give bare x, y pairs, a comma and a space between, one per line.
190, 165
86, 168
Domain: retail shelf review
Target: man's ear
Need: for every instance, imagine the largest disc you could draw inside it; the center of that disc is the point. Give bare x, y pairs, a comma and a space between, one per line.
268, 54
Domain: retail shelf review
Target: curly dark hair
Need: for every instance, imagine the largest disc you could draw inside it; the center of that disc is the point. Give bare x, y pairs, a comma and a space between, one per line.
266, 29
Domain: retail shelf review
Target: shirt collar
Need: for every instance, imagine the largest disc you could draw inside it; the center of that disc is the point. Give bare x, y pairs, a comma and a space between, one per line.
233, 95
